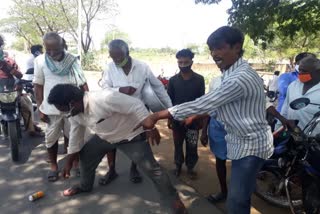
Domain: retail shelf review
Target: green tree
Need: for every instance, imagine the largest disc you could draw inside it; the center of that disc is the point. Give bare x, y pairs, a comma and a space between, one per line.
94, 10
114, 34
264, 20
31, 19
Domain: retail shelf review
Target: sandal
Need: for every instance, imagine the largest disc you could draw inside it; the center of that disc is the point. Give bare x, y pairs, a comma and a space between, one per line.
108, 178
53, 176
135, 176
74, 190
215, 198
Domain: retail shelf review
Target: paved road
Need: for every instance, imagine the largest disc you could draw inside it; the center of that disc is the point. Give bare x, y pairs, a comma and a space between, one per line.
18, 180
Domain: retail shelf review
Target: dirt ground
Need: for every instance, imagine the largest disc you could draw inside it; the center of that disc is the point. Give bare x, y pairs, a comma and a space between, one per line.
207, 181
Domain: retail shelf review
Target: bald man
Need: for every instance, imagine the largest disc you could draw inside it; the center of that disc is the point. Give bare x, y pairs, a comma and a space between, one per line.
54, 67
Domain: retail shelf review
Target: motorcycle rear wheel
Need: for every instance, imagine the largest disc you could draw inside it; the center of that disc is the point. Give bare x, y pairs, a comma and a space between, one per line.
14, 140
270, 187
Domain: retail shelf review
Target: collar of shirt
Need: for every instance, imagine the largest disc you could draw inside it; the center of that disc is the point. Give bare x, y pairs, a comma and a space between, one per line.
233, 67
120, 69
192, 76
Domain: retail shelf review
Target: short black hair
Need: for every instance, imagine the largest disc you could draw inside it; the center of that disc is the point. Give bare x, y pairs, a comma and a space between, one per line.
227, 34
185, 53
63, 94
277, 73
302, 55
64, 44
35, 48
1, 40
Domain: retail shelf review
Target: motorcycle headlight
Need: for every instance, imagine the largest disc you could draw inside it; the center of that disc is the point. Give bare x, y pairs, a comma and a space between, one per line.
8, 97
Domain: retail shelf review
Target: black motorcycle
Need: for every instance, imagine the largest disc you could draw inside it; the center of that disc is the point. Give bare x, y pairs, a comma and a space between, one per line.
289, 177
305, 165
10, 116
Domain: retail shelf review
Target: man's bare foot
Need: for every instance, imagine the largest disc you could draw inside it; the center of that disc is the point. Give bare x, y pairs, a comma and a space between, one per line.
72, 191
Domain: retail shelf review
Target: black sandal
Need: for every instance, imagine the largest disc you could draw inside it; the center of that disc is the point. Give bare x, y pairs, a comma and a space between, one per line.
135, 176
108, 178
215, 198
53, 176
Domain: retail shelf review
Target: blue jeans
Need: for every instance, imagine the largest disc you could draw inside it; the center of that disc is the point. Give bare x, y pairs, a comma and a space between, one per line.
242, 184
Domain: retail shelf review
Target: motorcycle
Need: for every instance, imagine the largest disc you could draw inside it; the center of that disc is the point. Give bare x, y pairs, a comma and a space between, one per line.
281, 181
306, 162
10, 116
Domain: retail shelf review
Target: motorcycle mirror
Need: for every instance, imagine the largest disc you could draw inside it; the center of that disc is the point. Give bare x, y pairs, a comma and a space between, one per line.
299, 103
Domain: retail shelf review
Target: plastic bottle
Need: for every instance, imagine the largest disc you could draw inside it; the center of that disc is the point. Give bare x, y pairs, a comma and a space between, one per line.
36, 196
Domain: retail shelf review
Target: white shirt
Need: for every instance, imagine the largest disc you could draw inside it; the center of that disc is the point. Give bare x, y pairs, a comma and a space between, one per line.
114, 77
109, 114
305, 114
30, 62
273, 83
43, 76
240, 104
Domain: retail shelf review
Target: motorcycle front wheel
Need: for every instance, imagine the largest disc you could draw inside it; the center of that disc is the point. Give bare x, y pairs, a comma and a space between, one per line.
311, 195
14, 140
270, 187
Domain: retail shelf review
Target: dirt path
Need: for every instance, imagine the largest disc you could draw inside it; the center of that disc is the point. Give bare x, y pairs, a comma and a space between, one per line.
207, 181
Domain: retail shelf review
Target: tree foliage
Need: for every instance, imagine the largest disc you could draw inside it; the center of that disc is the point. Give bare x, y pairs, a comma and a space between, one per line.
264, 20
94, 10
114, 34
31, 19
276, 29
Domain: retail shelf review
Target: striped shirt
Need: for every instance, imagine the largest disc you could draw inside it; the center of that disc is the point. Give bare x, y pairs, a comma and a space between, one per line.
240, 104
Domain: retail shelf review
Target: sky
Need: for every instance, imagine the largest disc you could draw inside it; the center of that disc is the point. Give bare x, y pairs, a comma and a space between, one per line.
160, 23
167, 23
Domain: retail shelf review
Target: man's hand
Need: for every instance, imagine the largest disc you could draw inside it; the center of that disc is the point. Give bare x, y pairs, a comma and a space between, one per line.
188, 121
170, 123
44, 117
68, 165
129, 90
149, 122
204, 139
153, 136
291, 124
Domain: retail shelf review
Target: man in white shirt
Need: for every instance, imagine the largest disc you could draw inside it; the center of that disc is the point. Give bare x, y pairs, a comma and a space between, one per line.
307, 85
110, 119
35, 50
273, 84
128, 76
54, 67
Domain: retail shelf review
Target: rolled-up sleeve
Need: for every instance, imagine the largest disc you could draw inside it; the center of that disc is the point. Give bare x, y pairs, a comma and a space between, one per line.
208, 103
106, 81
38, 77
77, 134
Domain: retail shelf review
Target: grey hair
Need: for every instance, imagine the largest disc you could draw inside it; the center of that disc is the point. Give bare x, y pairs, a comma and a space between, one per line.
311, 63
53, 36
119, 44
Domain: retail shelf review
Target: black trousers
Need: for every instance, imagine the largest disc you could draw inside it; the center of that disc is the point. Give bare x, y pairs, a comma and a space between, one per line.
190, 136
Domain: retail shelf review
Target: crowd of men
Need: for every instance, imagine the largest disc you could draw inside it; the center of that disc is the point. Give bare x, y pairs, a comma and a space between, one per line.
232, 115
